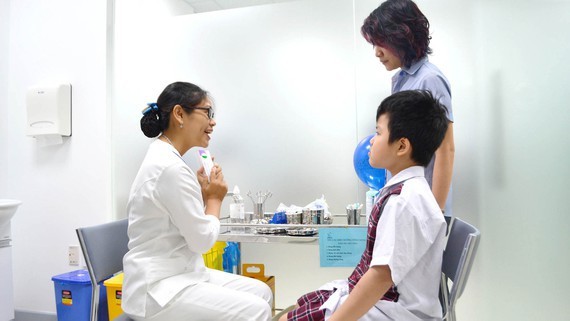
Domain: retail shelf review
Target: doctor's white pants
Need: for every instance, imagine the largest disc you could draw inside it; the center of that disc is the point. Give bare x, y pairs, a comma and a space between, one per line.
224, 296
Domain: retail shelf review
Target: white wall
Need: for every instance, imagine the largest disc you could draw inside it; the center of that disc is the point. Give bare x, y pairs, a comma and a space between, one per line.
66, 186
4, 60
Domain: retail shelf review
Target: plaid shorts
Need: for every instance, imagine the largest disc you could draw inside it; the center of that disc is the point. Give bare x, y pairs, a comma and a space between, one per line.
309, 305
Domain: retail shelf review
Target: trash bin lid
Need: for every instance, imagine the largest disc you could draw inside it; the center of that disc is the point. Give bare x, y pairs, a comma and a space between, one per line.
116, 280
77, 276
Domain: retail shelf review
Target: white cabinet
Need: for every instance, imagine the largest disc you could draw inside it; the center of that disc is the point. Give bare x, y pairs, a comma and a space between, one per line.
293, 260
6, 284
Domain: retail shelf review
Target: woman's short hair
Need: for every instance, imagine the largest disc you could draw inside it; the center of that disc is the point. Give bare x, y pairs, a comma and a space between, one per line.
399, 25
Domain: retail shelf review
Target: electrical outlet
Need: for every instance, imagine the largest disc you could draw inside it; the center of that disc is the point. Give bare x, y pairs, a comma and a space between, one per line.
73, 254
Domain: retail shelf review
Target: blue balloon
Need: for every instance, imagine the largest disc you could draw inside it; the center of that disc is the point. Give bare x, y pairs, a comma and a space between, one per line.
375, 178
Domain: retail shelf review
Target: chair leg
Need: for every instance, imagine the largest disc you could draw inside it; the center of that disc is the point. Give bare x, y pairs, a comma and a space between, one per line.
451, 316
444, 297
278, 315
94, 302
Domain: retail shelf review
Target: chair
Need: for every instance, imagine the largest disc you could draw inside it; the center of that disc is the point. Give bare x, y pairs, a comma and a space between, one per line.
103, 247
458, 258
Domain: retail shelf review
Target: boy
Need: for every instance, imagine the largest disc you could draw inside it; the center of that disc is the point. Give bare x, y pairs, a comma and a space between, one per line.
398, 274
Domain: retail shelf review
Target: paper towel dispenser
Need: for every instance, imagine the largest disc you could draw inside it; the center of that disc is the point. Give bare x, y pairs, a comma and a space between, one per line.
49, 110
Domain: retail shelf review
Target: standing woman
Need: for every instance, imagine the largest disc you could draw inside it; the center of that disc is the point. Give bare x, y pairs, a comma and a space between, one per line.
174, 218
399, 32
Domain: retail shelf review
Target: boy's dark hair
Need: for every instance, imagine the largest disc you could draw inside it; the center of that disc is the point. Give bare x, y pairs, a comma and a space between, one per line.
401, 26
417, 116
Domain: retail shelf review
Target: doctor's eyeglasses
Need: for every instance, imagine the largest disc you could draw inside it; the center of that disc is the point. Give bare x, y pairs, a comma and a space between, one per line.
210, 110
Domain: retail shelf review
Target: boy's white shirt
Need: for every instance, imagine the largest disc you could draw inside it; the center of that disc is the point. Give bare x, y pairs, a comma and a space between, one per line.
410, 238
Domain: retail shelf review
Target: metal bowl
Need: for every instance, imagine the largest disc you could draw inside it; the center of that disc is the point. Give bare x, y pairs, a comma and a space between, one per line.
259, 221
295, 218
313, 216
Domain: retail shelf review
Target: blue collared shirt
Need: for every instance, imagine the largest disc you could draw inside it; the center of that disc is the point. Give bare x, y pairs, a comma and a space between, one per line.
425, 75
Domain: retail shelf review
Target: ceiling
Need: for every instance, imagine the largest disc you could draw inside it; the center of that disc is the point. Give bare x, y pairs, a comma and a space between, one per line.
213, 5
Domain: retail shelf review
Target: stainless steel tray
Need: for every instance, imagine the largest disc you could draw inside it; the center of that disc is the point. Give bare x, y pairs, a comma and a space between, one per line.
302, 231
270, 230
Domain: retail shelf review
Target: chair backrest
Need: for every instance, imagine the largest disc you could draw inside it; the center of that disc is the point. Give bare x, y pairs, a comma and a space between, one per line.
103, 247
458, 259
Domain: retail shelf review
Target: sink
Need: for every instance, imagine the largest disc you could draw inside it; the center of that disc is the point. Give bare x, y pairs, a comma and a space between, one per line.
8, 209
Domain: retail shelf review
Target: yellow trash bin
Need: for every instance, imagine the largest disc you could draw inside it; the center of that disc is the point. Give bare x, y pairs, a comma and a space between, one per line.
214, 257
114, 287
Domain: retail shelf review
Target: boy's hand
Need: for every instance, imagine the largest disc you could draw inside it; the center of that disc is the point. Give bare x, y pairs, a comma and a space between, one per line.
371, 287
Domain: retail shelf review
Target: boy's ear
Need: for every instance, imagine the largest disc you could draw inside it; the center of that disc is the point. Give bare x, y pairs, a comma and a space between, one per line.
404, 147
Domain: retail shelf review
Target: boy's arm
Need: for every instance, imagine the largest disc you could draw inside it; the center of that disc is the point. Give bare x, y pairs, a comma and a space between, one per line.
371, 287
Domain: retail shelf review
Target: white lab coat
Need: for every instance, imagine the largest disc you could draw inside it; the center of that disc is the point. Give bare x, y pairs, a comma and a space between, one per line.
168, 232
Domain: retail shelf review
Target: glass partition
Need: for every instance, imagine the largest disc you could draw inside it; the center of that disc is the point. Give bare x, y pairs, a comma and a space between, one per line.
283, 85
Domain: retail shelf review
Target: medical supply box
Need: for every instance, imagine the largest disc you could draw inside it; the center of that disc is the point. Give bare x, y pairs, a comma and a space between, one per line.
257, 271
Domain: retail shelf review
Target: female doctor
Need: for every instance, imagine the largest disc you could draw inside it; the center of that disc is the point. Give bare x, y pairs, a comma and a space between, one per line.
174, 218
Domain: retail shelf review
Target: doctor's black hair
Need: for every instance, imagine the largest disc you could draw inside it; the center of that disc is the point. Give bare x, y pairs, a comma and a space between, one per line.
417, 116
184, 94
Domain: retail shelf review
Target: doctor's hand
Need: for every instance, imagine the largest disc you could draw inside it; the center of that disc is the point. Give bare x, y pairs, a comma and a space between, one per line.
214, 189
